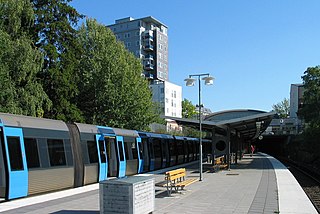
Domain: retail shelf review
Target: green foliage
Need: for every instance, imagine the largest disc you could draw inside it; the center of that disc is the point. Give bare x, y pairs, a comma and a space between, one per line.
20, 62
53, 30
112, 91
192, 132
305, 147
308, 148
188, 109
282, 108
311, 97
16, 17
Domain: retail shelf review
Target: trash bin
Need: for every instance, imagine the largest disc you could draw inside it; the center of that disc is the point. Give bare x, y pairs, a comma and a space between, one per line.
132, 195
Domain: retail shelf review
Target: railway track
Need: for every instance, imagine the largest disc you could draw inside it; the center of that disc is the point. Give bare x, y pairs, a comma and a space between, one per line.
309, 182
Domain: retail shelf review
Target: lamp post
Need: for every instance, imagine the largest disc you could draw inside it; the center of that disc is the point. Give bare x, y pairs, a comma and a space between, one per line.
208, 80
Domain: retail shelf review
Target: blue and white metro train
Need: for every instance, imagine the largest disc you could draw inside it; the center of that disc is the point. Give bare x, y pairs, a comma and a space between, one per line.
42, 155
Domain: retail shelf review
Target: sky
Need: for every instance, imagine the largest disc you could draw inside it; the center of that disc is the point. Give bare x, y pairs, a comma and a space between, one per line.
253, 48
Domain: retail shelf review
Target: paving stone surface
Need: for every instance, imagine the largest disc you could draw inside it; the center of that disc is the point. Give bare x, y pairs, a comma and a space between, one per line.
249, 187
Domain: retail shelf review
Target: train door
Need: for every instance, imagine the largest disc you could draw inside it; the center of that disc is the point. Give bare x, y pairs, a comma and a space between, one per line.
194, 144
173, 152
157, 148
140, 155
165, 153
112, 156
180, 151
14, 171
145, 153
186, 151
103, 164
190, 150
151, 154
121, 155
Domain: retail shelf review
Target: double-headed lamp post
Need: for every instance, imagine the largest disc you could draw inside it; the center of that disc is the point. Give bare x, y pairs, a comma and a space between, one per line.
208, 80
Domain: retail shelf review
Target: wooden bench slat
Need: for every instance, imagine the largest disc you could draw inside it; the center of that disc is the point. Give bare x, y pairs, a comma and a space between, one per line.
186, 182
174, 172
174, 177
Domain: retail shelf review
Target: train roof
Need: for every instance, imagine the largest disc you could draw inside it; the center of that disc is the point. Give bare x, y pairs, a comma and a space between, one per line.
125, 132
94, 129
179, 137
150, 134
32, 122
167, 136
192, 138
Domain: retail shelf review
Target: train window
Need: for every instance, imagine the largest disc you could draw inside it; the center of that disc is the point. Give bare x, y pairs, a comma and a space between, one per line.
102, 151
126, 150
157, 148
173, 151
190, 149
186, 148
15, 153
32, 153
93, 152
68, 152
164, 148
180, 147
110, 143
120, 147
151, 150
134, 150
56, 152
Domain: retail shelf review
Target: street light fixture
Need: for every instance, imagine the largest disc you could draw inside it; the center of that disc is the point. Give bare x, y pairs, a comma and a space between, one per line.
208, 80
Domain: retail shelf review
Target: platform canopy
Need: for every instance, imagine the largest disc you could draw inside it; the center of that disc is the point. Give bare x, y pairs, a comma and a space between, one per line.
249, 124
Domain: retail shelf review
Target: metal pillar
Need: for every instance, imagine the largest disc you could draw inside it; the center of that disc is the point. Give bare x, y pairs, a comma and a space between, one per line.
229, 145
213, 145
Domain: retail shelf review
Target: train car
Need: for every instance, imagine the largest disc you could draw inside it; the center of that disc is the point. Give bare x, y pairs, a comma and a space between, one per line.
108, 152
36, 156
155, 150
159, 150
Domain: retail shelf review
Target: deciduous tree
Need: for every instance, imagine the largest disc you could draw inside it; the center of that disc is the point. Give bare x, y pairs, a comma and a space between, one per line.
20, 62
311, 97
188, 109
55, 34
112, 91
282, 108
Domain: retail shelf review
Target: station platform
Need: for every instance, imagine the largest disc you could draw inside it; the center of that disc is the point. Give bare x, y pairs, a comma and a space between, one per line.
257, 184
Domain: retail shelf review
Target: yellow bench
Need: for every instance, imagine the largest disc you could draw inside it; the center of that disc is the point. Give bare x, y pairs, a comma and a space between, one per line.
176, 179
220, 162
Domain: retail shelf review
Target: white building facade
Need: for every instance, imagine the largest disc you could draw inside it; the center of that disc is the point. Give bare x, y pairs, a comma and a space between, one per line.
169, 97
